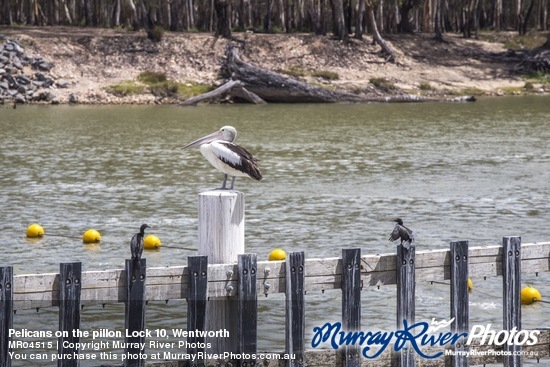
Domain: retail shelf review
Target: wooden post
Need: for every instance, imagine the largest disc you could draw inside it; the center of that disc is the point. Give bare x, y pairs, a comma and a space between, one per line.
295, 309
405, 298
221, 238
351, 302
197, 273
134, 312
70, 276
248, 308
6, 313
459, 300
511, 298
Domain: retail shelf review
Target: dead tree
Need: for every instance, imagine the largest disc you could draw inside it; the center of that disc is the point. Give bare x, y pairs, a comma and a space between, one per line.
252, 84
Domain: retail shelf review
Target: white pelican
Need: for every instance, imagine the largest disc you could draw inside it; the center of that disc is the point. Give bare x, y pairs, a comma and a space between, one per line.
226, 156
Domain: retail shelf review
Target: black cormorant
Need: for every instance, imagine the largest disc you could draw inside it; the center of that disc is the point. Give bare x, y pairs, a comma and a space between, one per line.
136, 244
402, 232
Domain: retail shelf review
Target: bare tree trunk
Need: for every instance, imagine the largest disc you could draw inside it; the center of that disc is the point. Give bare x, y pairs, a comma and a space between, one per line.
314, 16
223, 15
5, 12
268, 23
359, 19
338, 21
376, 35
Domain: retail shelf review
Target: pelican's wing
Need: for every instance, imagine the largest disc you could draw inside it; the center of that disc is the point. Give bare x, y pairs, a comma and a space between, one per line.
395, 235
237, 157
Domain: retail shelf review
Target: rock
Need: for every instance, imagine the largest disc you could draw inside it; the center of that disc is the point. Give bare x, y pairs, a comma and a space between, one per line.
62, 84
45, 66
19, 98
73, 98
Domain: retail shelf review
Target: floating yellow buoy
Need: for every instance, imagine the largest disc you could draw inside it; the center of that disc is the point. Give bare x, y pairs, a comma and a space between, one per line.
530, 295
470, 285
277, 254
151, 242
91, 236
35, 231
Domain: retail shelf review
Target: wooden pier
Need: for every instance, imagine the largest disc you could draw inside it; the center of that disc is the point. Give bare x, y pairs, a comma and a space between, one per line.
248, 278
222, 289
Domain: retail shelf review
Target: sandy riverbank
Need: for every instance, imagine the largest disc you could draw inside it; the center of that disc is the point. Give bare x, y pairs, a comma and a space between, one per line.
91, 60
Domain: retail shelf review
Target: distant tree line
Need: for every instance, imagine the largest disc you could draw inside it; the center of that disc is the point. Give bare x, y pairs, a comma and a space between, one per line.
342, 18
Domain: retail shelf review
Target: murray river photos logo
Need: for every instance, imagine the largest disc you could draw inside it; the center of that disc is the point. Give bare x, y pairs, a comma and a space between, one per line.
417, 335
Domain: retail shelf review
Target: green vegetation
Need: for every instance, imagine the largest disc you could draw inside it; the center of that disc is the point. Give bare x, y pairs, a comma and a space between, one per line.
526, 41
296, 72
151, 77
155, 34
127, 87
158, 85
187, 90
383, 84
324, 86
540, 78
325, 74
426, 87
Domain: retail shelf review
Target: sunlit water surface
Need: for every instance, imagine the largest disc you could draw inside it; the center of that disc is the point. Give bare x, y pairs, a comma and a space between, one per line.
334, 177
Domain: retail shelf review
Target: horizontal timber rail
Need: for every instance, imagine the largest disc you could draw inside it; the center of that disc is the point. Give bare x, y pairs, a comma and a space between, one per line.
168, 283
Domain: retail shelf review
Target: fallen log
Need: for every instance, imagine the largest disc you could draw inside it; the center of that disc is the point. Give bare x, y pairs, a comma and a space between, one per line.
252, 84
275, 87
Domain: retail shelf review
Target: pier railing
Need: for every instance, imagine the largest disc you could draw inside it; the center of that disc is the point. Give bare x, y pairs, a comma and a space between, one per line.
198, 282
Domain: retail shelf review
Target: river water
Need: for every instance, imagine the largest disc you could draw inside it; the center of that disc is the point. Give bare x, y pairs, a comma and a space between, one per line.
334, 177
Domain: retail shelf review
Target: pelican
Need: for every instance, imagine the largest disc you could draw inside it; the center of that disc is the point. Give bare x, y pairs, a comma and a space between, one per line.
401, 232
227, 157
136, 244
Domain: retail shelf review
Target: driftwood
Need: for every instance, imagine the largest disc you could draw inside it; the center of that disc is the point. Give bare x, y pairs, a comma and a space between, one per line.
249, 83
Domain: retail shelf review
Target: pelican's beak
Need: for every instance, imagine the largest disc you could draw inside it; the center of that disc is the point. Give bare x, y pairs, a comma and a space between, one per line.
205, 140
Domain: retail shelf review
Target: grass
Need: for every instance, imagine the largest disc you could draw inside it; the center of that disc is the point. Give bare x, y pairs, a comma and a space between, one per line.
324, 86
382, 83
187, 90
426, 87
540, 78
297, 72
527, 41
325, 74
151, 77
158, 85
126, 88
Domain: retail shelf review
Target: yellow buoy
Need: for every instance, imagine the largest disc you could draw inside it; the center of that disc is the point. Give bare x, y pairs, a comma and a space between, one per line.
530, 295
35, 231
277, 254
151, 242
91, 236
470, 285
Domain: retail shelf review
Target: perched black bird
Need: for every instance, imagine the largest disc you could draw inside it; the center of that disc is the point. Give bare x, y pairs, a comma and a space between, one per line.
401, 232
136, 244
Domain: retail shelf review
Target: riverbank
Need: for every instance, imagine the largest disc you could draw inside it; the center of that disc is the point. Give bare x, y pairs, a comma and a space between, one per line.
92, 64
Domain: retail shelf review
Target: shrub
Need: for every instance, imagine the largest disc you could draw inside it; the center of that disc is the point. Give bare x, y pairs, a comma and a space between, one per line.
151, 77
325, 74
155, 34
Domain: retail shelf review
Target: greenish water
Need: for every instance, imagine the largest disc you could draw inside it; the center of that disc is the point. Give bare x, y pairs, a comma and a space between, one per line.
334, 177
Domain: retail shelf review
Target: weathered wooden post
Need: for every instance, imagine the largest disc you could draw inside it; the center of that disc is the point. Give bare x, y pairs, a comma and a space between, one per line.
6, 313
405, 298
70, 275
134, 311
221, 238
459, 300
351, 303
511, 295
